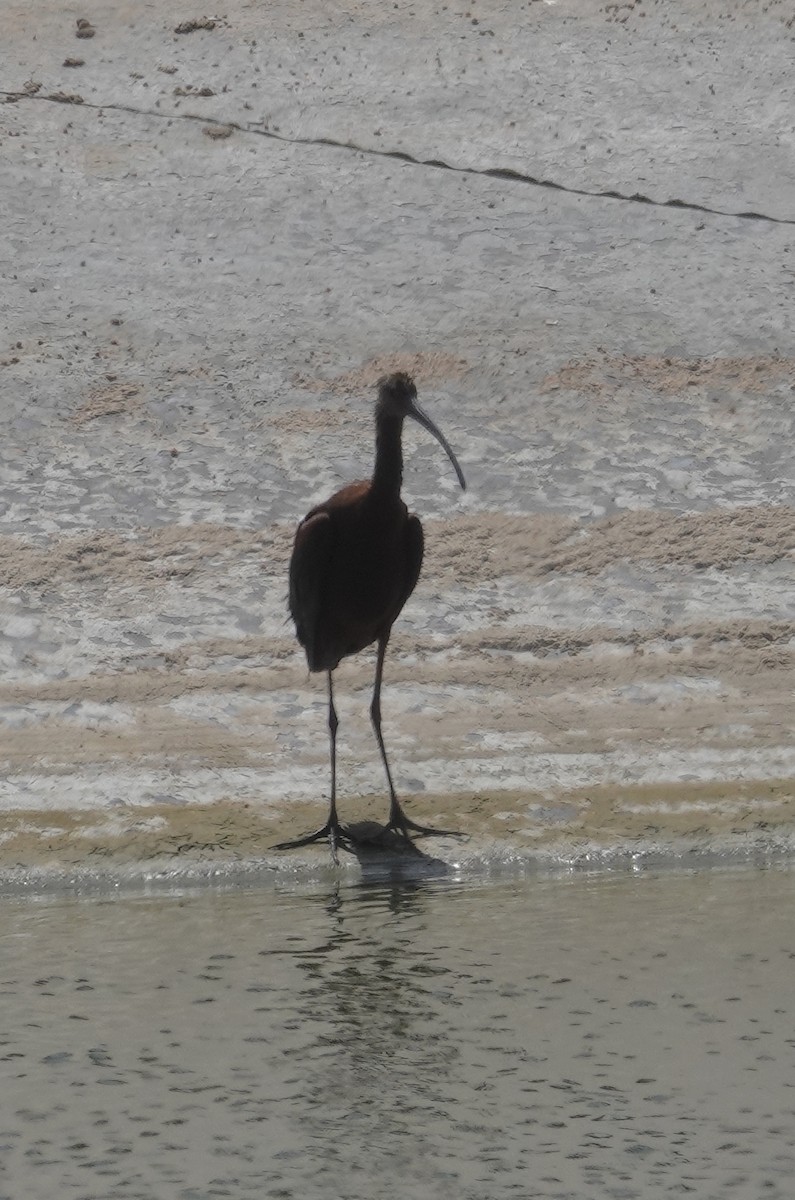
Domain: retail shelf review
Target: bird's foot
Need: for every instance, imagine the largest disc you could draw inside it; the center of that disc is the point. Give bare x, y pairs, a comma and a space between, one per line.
399, 823
335, 833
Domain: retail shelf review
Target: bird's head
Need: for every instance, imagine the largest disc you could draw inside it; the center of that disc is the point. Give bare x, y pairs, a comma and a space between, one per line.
397, 394
397, 398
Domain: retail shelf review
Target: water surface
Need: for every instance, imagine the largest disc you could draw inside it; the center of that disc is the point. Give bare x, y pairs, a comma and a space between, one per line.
615, 1035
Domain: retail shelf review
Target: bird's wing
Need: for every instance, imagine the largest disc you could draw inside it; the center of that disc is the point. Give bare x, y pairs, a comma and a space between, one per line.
312, 549
413, 547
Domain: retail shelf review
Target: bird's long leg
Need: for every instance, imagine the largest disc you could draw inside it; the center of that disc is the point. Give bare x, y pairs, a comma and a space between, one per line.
398, 821
332, 829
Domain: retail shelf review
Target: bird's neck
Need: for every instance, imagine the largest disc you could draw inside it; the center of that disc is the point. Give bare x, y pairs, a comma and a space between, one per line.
388, 473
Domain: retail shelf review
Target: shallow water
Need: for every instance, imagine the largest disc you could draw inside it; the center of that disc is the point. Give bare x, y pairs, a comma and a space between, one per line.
615, 1035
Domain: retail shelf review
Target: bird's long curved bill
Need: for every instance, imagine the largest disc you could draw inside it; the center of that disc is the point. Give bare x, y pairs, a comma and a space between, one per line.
423, 419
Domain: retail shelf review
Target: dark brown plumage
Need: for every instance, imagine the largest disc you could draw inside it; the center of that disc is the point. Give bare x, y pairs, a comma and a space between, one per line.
356, 560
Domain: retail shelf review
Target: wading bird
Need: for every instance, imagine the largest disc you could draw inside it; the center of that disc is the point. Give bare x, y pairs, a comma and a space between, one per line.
355, 562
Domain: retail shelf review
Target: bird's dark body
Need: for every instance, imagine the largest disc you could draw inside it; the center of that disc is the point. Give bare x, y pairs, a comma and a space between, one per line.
356, 560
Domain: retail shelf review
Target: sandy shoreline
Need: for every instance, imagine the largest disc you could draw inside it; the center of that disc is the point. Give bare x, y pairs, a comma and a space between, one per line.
574, 696
604, 826
600, 649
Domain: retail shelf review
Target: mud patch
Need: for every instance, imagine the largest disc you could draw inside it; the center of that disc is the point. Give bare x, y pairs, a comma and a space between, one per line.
173, 551
120, 399
425, 368
483, 546
602, 373
715, 539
